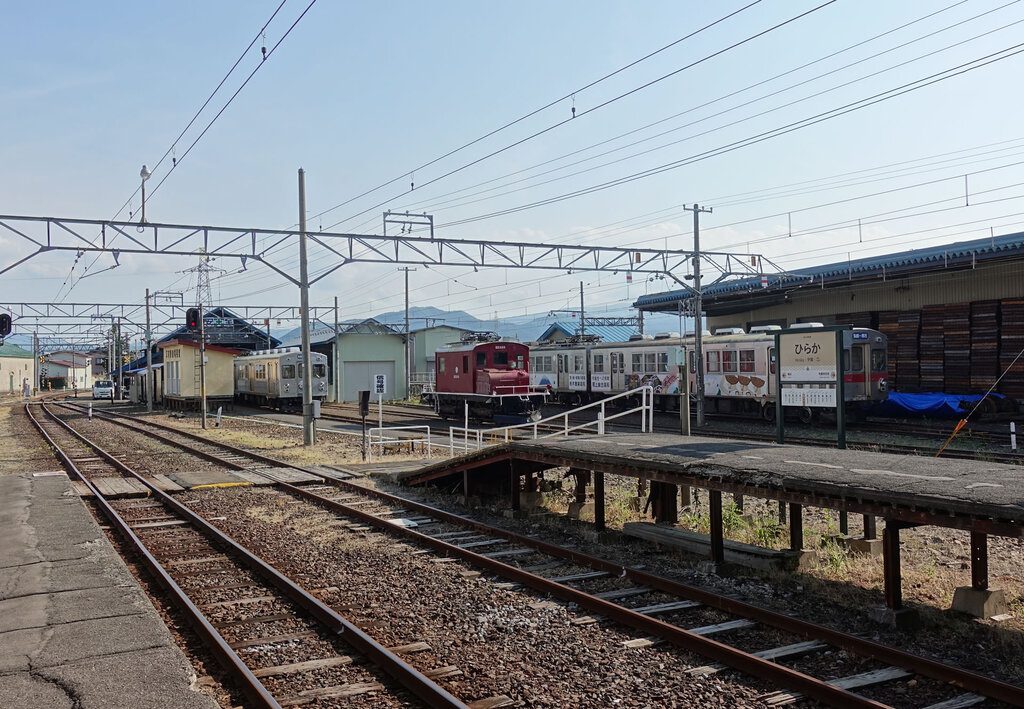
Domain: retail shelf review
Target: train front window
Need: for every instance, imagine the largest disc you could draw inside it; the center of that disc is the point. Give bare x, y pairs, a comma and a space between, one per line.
288, 371
520, 362
320, 370
440, 364
465, 363
877, 360
500, 359
858, 359
481, 359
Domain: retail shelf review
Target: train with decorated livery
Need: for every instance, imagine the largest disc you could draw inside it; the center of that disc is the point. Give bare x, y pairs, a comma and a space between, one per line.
739, 369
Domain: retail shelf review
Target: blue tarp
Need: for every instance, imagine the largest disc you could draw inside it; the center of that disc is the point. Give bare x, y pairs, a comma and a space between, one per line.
934, 405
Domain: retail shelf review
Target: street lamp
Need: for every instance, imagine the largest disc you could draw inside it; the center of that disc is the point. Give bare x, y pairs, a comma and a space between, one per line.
145, 174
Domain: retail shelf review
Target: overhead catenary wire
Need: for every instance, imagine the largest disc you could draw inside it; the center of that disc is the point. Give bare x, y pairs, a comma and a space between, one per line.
223, 108
171, 149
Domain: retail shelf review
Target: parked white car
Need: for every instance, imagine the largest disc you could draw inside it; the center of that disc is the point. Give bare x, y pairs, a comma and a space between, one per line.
103, 389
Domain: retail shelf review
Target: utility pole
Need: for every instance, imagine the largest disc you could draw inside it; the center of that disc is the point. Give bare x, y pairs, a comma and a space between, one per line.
117, 360
110, 352
408, 348
698, 325
202, 364
149, 388
337, 355
35, 361
583, 328
308, 430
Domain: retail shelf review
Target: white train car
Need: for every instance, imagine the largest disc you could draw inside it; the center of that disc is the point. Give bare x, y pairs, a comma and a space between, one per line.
274, 378
739, 369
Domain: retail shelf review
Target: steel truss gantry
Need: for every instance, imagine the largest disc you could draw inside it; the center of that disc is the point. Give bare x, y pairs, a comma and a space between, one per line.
55, 234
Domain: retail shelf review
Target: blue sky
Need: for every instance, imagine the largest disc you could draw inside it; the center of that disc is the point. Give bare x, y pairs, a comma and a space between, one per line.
359, 94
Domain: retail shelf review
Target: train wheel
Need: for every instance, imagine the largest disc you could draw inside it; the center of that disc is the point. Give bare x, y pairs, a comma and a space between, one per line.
806, 415
768, 412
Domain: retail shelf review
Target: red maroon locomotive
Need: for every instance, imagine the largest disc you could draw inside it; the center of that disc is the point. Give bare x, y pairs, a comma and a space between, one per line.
492, 376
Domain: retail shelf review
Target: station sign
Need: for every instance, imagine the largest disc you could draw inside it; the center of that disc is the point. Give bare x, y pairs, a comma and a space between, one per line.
380, 383
808, 356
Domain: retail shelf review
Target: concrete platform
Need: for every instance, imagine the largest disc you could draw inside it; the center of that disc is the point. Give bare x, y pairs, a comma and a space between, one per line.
75, 628
963, 494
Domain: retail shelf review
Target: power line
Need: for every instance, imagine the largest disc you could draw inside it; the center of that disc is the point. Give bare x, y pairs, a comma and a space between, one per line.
546, 106
170, 148
851, 107
213, 120
599, 106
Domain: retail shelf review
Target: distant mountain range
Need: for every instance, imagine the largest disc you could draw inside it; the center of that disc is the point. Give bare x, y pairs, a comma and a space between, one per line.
521, 327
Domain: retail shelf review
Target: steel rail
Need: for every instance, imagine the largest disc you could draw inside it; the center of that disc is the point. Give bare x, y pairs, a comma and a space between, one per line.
405, 674
680, 637
965, 679
251, 686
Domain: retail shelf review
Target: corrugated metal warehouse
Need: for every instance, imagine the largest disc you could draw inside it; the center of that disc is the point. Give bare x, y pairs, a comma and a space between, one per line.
954, 314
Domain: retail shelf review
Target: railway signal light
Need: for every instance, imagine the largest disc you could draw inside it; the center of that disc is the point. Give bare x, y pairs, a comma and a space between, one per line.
5, 324
192, 318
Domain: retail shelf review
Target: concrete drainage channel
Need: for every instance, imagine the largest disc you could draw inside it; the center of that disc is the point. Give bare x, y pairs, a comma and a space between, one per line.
505, 553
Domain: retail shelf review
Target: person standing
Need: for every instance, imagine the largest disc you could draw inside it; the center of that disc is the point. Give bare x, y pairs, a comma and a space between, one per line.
26, 390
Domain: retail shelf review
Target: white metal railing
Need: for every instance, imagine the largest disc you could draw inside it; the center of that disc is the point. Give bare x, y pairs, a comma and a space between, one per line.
465, 438
381, 437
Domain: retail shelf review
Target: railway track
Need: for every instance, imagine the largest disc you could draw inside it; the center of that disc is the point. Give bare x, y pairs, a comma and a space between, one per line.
662, 609
280, 644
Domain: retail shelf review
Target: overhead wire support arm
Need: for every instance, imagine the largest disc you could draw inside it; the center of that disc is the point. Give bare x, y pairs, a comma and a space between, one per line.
399, 249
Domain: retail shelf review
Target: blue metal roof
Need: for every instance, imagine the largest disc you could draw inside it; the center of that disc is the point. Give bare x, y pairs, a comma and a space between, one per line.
568, 328
958, 255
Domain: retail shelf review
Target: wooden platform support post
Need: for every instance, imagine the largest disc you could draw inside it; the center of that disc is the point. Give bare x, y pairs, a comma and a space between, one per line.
893, 614
979, 561
514, 486
664, 498
737, 500
844, 523
582, 479
717, 531
891, 565
796, 527
870, 529
782, 512
977, 599
599, 500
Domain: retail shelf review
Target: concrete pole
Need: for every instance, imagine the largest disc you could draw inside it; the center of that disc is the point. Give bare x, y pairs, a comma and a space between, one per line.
35, 362
202, 365
337, 355
117, 360
583, 329
698, 323
150, 387
308, 434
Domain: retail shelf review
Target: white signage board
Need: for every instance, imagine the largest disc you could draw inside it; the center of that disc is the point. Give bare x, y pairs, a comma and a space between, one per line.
814, 398
601, 381
578, 382
807, 356
380, 383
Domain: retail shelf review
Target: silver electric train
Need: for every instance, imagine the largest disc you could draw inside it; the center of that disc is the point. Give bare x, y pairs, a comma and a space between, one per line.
274, 378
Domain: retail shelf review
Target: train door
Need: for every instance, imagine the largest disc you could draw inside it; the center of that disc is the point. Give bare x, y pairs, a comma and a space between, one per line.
856, 378
563, 371
272, 380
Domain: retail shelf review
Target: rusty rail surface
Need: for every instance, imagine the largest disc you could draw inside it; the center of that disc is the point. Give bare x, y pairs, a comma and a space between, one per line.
405, 674
956, 676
